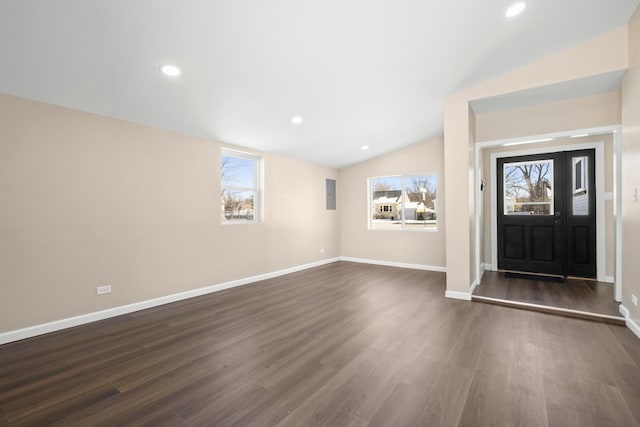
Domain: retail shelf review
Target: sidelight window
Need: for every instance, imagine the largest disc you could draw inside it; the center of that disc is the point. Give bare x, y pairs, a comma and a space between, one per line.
580, 187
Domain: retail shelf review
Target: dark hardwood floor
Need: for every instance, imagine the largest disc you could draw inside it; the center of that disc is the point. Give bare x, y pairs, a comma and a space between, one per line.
573, 294
340, 345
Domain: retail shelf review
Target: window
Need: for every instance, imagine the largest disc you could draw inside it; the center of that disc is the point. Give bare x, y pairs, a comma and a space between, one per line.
403, 202
580, 176
528, 188
240, 177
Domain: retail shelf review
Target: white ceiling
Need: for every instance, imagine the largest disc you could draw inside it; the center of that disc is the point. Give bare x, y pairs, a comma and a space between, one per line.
371, 72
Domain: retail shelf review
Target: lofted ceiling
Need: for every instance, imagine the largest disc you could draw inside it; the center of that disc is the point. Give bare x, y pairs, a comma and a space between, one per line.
359, 72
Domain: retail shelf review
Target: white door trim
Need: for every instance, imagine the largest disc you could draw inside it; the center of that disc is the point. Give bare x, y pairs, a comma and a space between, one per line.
617, 212
600, 194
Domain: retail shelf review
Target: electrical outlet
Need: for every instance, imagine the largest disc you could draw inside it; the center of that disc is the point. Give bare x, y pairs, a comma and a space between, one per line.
101, 290
322, 250
634, 300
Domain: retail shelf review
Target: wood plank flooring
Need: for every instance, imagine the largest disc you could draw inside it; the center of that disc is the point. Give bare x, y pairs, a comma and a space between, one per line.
574, 294
339, 345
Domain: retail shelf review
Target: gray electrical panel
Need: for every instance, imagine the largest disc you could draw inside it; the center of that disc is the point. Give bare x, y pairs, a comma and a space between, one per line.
331, 194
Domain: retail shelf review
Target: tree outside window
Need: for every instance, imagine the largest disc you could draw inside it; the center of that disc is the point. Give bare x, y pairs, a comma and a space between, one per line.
528, 188
239, 174
403, 202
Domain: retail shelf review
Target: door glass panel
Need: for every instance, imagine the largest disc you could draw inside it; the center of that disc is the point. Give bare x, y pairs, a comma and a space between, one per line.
528, 188
580, 179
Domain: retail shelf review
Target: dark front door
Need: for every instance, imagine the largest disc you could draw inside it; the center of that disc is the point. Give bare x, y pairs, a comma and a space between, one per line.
546, 214
581, 213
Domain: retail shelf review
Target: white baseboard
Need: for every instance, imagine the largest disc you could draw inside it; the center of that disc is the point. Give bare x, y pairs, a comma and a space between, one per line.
32, 331
635, 328
474, 285
608, 279
395, 264
458, 295
478, 281
487, 267
624, 311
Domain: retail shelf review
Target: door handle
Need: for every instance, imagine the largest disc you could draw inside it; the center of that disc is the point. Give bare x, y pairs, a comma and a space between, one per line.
558, 222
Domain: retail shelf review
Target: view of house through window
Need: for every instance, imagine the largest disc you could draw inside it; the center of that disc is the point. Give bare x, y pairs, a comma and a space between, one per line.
239, 173
403, 202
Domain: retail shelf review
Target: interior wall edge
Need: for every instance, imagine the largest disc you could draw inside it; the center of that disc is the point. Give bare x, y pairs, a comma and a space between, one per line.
465, 296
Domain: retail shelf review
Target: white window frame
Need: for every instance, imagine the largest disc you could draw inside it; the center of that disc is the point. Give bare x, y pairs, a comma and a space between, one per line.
257, 185
370, 207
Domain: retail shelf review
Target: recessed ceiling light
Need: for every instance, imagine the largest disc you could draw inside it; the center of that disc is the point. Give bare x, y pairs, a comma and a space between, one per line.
170, 70
364, 147
515, 9
296, 120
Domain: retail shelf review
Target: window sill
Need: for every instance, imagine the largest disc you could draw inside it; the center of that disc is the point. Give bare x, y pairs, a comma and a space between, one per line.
239, 222
416, 230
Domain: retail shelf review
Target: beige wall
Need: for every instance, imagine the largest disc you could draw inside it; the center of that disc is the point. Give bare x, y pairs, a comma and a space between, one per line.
87, 201
603, 54
581, 113
631, 172
412, 247
457, 156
